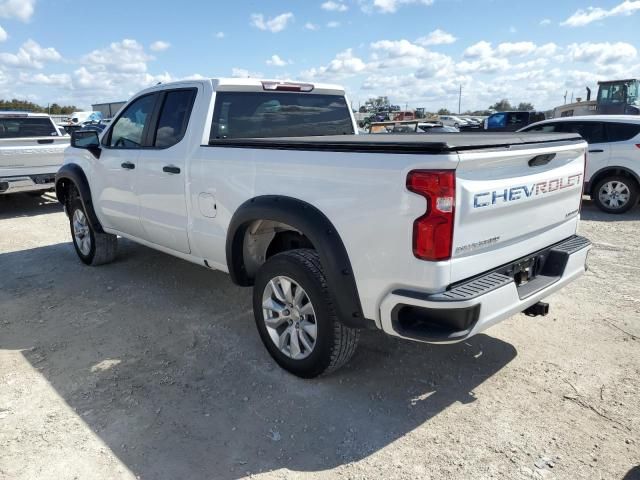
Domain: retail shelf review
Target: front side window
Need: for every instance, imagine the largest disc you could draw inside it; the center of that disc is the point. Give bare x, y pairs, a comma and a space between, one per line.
27, 127
174, 117
279, 114
128, 130
497, 120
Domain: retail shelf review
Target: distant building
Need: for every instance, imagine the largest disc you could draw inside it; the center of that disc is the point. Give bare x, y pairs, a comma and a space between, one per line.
108, 110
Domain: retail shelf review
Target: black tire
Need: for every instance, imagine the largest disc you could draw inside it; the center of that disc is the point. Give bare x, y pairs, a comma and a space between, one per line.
335, 343
103, 246
628, 183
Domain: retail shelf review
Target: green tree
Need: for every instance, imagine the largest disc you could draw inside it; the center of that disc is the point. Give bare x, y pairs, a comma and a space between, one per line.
501, 106
444, 111
525, 107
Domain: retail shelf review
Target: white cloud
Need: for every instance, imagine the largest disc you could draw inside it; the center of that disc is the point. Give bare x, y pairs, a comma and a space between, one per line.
592, 14
159, 46
478, 50
602, 53
20, 9
220, 35
30, 55
344, 64
310, 26
54, 79
391, 6
3, 35
544, 22
276, 61
273, 25
244, 73
437, 37
333, 24
515, 49
333, 6
125, 56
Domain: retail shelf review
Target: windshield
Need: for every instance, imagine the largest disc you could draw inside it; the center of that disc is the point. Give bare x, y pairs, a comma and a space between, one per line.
619, 92
279, 114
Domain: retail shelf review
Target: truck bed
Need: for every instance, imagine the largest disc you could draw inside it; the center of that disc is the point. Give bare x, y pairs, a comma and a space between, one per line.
402, 143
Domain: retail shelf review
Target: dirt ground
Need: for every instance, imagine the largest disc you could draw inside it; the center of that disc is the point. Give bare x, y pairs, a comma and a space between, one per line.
152, 368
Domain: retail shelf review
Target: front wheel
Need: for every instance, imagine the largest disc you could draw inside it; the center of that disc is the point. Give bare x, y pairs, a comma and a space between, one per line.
92, 247
296, 318
616, 194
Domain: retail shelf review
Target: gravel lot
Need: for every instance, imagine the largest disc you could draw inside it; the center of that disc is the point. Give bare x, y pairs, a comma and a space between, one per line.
152, 368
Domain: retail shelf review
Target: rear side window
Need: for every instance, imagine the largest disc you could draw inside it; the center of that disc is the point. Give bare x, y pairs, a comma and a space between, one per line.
592, 132
174, 117
26, 127
544, 128
279, 114
620, 132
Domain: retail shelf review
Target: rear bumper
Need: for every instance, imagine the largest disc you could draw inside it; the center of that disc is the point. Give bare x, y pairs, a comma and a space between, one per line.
27, 183
476, 304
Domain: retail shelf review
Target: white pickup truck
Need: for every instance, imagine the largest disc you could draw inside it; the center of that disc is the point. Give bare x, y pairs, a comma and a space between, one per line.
31, 152
431, 238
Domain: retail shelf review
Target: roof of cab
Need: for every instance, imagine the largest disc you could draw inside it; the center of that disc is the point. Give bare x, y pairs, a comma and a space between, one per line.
249, 84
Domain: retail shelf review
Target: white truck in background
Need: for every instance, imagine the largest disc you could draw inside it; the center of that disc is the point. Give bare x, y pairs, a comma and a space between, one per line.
432, 238
31, 152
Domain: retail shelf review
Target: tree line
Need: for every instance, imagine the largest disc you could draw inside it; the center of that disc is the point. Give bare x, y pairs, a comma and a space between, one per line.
383, 104
24, 105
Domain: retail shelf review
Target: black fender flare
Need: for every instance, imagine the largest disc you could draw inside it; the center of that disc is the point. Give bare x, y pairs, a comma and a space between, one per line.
319, 230
597, 176
71, 173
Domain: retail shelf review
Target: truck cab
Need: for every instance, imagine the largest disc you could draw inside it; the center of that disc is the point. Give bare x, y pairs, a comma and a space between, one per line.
619, 97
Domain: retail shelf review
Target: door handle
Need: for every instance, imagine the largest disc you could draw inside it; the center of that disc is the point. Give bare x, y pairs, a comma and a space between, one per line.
45, 140
128, 165
171, 169
596, 151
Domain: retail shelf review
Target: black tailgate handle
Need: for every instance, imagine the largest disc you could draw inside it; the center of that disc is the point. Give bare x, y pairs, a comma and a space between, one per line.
45, 140
540, 160
171, 169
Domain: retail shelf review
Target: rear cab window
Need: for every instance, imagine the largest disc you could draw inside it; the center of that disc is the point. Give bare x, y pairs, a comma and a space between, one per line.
27, 127
279, 114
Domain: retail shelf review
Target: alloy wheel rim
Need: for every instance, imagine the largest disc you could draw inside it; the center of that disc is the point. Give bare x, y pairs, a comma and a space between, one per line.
614, 194
289, 317
81, 232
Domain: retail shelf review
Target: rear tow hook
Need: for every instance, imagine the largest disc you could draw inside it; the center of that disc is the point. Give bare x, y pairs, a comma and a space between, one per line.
537, 309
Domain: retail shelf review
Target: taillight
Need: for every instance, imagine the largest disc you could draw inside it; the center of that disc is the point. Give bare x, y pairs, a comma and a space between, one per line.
433, 231
638, 145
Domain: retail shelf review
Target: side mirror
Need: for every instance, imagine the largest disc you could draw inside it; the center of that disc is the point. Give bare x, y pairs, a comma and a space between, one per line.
87, 139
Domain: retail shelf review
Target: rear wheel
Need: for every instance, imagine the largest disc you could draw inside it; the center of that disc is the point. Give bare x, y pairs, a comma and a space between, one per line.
296, 318
615, 194
92, 247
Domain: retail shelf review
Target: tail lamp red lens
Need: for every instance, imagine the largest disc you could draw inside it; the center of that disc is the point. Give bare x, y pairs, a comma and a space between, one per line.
433, 231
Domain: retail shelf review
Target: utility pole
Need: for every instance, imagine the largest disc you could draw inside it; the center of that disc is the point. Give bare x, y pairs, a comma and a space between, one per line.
459, 100
565, 96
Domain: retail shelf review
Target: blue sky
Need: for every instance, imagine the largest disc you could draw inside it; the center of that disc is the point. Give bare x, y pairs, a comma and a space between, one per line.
418, 52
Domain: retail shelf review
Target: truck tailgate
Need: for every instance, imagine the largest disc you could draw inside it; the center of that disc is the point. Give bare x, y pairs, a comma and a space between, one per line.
16, 153
513, 201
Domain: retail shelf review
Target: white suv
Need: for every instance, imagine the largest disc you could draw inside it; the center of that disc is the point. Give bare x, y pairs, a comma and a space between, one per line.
612, 176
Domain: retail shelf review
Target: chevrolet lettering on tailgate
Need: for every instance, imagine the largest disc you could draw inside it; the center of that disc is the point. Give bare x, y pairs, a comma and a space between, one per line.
520, 192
